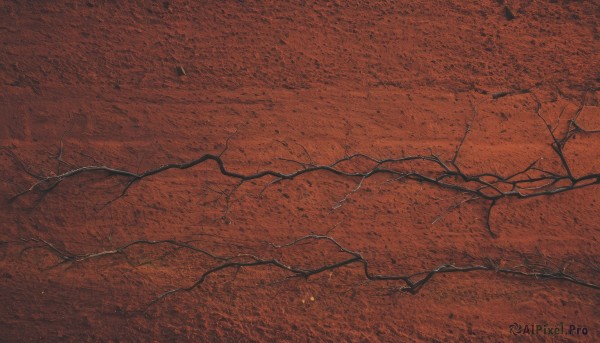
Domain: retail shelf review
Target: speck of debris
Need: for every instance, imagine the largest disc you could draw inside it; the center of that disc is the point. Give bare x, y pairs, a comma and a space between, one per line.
508, 13
499, 95
180, 71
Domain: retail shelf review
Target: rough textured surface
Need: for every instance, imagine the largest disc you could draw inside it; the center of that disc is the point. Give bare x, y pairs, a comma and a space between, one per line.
384, 78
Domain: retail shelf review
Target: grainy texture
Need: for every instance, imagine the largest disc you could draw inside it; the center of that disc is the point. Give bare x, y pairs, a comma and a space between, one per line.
97, 83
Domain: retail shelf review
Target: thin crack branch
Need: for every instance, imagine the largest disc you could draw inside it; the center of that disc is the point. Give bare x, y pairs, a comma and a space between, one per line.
466, 133
412, 282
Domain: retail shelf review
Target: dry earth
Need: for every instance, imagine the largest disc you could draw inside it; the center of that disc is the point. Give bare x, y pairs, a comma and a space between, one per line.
95, 83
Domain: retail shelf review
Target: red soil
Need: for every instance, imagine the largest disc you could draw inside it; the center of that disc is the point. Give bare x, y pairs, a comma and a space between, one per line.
379, 77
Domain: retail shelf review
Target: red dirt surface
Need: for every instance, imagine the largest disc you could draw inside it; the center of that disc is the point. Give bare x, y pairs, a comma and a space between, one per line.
383, 78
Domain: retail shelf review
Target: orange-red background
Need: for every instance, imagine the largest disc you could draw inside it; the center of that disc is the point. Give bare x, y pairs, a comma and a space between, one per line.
384, 78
